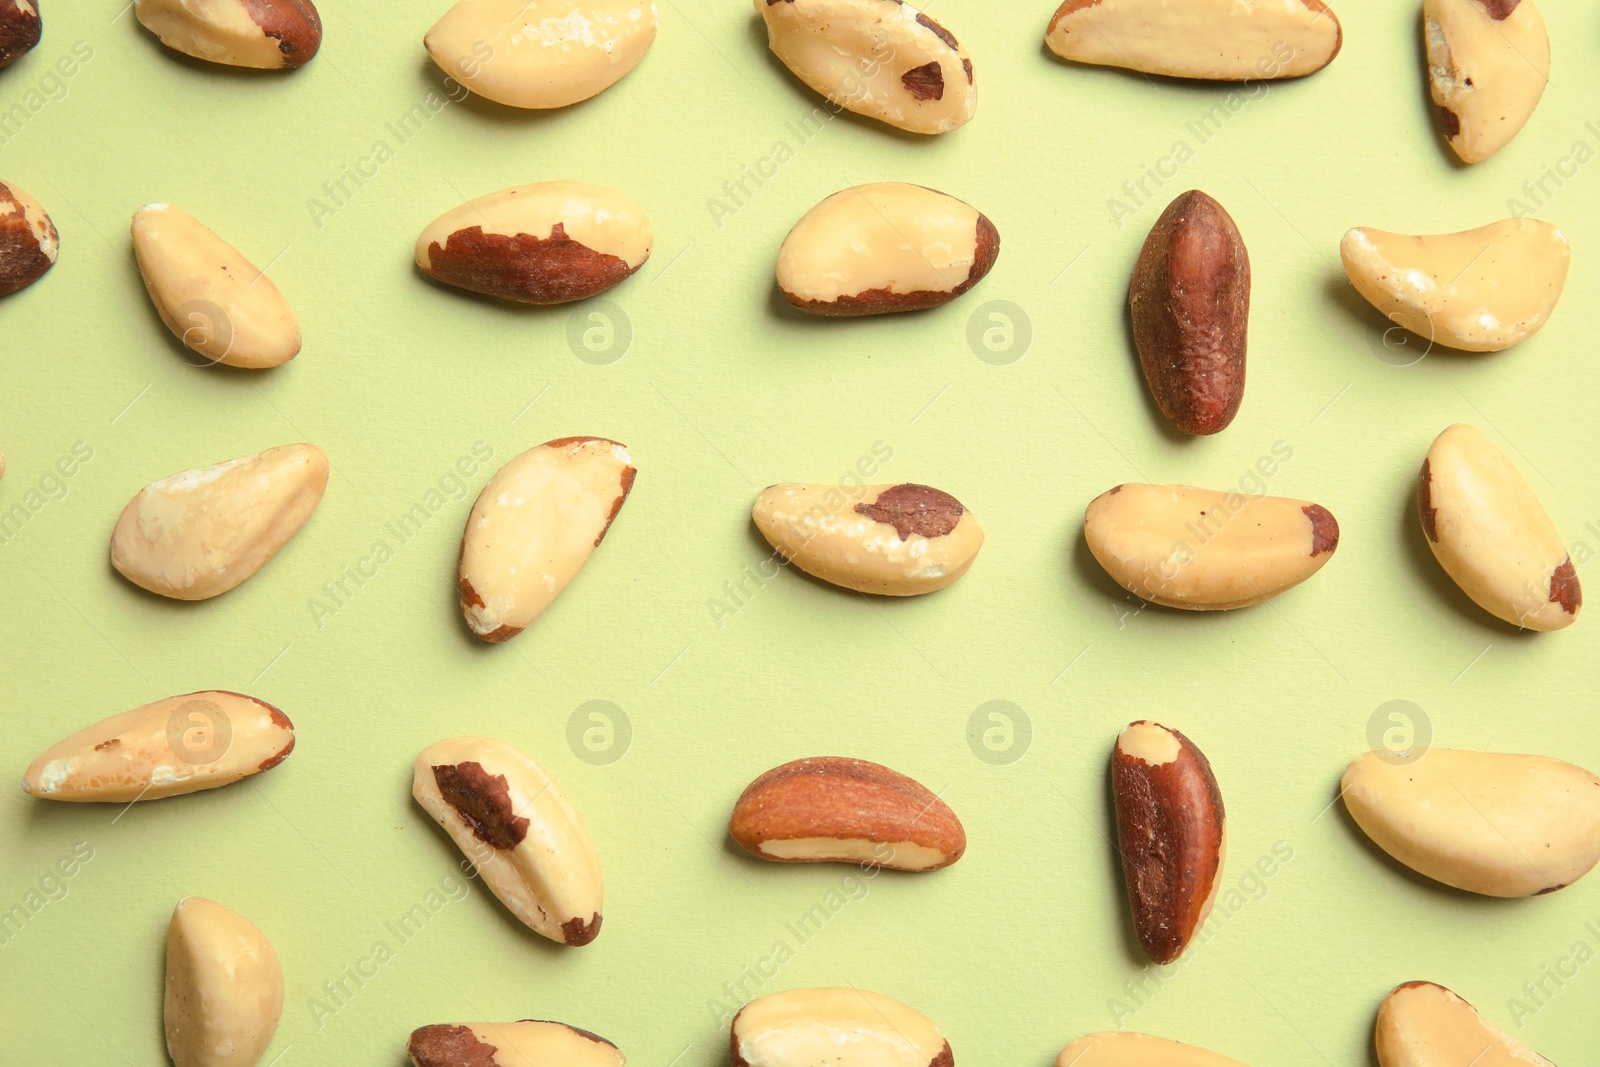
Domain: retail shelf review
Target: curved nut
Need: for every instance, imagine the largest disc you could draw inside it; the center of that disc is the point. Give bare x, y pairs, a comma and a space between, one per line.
880, 58
178, 745
1480, 290
1122, 1048
211, 298
832, 808
1492, 536
224, 987
199, 533
885, 247
839, 1027
893, 540
1421, 1024
1190, 304
1218, 40
19, 29
1487, 822
262, 34
1488, 64
533, 528
541, 53
29, 243
519, 1044
1206, 550
545, 243
520, 832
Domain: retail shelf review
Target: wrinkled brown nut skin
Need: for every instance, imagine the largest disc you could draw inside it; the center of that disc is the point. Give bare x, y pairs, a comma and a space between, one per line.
295, 24
19, 30
527, 269
29, 243
1190, 305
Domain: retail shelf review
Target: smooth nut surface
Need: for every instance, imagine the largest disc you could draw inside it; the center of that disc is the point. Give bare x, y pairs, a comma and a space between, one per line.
263, 34
894, 540
529, 1043
19, 29
211, 298
1487, 822
837, 1027
545, 243
1190, 305
1121, 1048
199, 533
517, 828
1488, 64
533, 528
1171, 832
1489, 532
1218, 40
541, 53
29, 243
881, 58
224, 987
885, 247
178, 745
1421, 1024
832, 808
1206, 550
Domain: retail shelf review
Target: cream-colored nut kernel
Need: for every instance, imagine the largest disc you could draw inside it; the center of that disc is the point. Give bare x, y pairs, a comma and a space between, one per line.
210, 296
1421, 1024
263, 34
1206, 550
1480, 290
224, 987
528, 1043
199, 533
1218, 40
1492, 536
881, 58
1121, 1048
837, 1027
29, 243
545, 243
19, 30
534, 526
1488, 822
178, 745
541, 53
1488, 64
520, 832
894, 540
885, 247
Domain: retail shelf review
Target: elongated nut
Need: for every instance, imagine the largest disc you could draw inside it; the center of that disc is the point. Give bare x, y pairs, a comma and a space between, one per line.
1190, 303
1121, 1048
894, 540
1206, 550
838, 1027
533, 528
178, 745
211, 298
1488, 64
1492, 536
519, 1044
1480, 290
512, 822
29, 243
1218, 40
19, 29
263, 34
1487, 822
545, 243
1421, 1024
541, 53
224, 987
199, 533
881, 58
1172, 834
832, 808
885, 247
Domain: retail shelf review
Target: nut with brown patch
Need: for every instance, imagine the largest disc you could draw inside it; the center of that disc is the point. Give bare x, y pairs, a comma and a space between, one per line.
1218, 40
520, 832
836, 809
1190, 304
29, 243
885, 247
1423, 1024
545, 243
838, 1027
1488, 64
224, 992
19, 29
518, 1044
261, 34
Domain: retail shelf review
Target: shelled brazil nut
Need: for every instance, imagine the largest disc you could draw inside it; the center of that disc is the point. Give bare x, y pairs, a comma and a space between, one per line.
1423, 1024
518, 1044
1488, 64
29, 243
20, 29
224, 987
1123, 1048
263, 34
840, 1027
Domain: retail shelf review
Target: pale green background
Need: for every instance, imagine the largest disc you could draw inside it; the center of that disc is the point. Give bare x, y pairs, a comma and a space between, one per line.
1016, 950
